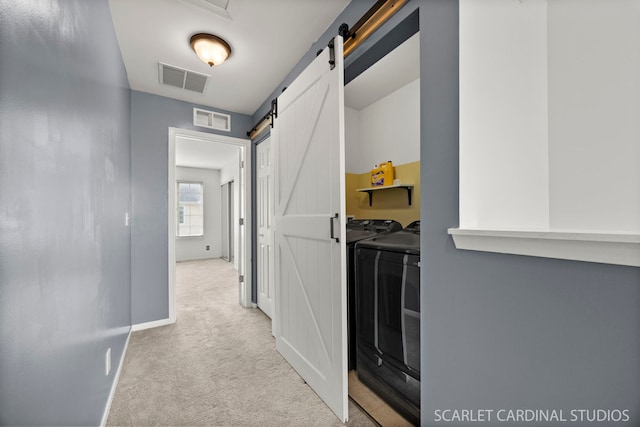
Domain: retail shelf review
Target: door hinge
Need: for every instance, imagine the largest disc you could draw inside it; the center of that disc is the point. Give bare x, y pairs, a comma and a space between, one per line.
241, 164
241, 221
241, 278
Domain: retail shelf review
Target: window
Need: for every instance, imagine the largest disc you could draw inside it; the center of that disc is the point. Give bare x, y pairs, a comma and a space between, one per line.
190, 209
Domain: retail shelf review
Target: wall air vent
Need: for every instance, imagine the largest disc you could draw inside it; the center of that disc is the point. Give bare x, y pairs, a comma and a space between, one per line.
179, 77
211, 120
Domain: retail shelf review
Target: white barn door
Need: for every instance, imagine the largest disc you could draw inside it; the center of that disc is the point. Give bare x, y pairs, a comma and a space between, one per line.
310, 297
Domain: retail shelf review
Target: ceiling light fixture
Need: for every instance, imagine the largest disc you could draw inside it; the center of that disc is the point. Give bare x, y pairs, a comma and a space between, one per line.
210, 49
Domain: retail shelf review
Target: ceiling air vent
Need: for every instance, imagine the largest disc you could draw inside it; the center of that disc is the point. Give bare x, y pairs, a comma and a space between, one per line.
218, 7
179, 77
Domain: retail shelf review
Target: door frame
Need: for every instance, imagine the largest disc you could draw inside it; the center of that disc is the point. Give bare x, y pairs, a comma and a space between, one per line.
224, 221
245, 230
231, 203
227, 205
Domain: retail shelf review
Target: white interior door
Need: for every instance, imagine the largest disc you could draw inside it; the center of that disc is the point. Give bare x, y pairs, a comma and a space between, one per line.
265, 227
310, 274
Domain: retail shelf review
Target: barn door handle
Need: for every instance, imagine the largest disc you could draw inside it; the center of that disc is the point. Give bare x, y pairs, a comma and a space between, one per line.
331, 225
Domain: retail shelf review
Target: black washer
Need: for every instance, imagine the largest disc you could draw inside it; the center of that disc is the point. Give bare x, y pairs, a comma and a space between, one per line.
388, 317
357, 230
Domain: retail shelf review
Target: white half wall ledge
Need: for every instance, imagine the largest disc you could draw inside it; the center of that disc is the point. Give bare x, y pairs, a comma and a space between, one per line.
607, 248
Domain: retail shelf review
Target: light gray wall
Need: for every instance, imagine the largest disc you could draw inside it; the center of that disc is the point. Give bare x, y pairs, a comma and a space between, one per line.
65, 287
502, 331
151, 117
189, 248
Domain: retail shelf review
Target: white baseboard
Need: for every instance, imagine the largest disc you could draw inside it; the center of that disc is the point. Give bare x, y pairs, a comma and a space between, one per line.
116, 378
114, 385
154, 324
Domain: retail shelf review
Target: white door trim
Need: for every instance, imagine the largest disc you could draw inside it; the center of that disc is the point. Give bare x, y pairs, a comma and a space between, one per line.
244, 256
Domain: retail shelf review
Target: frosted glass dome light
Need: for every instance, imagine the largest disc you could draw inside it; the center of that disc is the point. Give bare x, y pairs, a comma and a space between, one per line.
210, 49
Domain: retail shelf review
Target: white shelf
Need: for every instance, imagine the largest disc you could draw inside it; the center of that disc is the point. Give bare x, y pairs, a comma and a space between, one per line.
385, 187
370, 190
608, 248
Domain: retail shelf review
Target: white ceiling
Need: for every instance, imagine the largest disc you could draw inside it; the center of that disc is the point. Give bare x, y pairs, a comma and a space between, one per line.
204, 154
267, 38
398, 68
152, 31
395, 70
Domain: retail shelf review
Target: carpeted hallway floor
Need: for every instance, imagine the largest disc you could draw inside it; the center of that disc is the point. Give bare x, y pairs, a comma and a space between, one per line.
217, 366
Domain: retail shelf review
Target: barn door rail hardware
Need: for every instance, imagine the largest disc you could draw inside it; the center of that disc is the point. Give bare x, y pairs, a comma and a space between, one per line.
266, 120
379, 13
332, 55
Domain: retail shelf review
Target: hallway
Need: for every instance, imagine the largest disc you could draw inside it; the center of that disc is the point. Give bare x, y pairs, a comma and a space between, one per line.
216, 366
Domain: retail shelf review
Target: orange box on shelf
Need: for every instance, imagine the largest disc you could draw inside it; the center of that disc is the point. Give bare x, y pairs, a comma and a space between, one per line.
382, 174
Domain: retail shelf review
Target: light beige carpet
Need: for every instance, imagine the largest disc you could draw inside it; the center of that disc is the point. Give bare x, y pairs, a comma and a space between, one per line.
217, 366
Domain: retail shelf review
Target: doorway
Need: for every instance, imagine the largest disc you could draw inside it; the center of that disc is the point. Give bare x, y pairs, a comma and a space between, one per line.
382, 124
242, 209
296, 172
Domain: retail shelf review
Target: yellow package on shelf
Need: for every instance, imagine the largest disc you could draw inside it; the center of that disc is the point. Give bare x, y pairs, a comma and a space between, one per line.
382, 174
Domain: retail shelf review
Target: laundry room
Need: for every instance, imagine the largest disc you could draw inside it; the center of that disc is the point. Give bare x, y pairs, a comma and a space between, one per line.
382, 126
382, 187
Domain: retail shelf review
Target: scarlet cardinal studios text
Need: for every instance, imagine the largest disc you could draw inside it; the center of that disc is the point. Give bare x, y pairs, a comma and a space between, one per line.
531, 415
